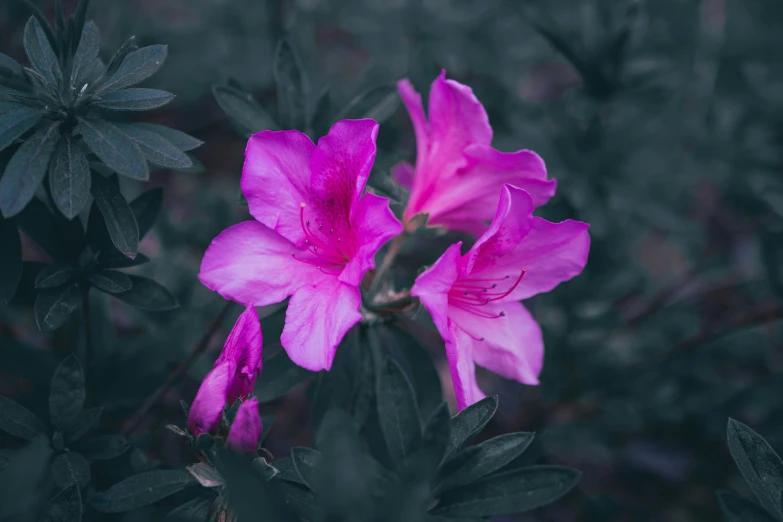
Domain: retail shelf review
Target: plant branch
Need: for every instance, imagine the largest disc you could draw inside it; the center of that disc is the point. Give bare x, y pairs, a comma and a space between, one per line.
180, 370
387, 262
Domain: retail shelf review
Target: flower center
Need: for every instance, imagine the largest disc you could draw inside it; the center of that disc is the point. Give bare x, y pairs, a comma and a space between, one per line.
471, 293
330, 258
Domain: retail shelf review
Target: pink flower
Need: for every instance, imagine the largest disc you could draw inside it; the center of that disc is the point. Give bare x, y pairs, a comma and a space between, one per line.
247, 428
233, 375
474, 299
458, 175
314, 238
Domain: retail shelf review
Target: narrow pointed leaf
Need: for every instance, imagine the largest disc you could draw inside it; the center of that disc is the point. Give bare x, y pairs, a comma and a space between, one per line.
53, 306
66, 506
111, 281
70, 468
104, 447
182, 141
278, 377
470, 421
397, 411
243, 111
146, 209
193, 510
114, 259
148, 295
305, 462
67, 393
290, 87
156, 148
141, 490
134, 99
15, 120
9, 64
136, 67
114, 148
759, 464
739, 509
26, 169
378, 104
118, 216
86, 55
10, 260
40, 53
18, 421
79, 17
85, 422
69, 177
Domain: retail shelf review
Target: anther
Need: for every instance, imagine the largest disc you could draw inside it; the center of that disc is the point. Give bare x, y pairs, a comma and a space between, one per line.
331, 231
502, 313
320, 227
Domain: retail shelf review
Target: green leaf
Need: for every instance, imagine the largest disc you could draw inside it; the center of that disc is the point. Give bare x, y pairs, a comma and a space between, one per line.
194, 510
739, 509
243, 111
70, 468
114, 148
305, 461
321, 119
437, 433
279, 376
15, 120
10, 260
84, 423
511, 492
54, 275
301, 499
759, 464
156, 148
40, 53
182, 141
111, 281
117, 216
205, 475
116, 60
470, 421
148, 295
134, 99
66, 506
86, 55
378, 104
141, 490
475, 462
26, 170
67, 393
397, 411
38, 223
69, 177
113, 259
289, 79
18, 421
54, 305
136, 67
146, 208
9, 64
104, 447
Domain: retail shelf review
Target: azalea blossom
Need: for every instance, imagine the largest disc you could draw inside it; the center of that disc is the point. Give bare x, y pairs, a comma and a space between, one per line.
233, 375
458, 175
474, 298
247, 427
314, 236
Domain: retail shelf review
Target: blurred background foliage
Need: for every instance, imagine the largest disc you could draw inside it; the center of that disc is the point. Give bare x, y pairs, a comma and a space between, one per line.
661, 121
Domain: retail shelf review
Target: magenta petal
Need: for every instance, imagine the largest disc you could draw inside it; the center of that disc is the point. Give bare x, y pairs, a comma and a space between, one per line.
459, 352
412, 101
275, 179
251, 264
433, 285
243, 347
207, 408
246, 430
318, 317
402, 173
373, 224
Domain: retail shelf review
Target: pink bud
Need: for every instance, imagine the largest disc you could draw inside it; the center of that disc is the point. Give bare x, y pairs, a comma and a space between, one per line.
243, 348
247, 428
207, 408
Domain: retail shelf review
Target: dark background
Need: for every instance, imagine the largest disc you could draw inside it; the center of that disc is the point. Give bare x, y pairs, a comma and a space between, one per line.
661, 121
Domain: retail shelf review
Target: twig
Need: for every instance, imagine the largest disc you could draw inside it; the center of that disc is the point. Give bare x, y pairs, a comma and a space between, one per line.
138, 417
388, 259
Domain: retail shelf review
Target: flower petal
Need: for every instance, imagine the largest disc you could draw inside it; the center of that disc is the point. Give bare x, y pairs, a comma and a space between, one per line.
247, 428
433, 285
276, 179
251, 264
207, 408
459, 350
373, 224
412, 101
318, 317
511, 345
243, 347
402, 173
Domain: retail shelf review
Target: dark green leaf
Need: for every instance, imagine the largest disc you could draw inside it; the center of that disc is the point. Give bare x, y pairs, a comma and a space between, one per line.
243, 111
116, 60
148, 295
69, 177
38, 223
26, 169
156, 148
475, 462
287, 470
84, 423
141, 490
10, 260
15, 120
18, 421
70, 468
321, 118
111, 281
397, 411
305, 461
134, 99
66, 506
79, 17
54, 275
511, 492
562, 47
759, 464
738, 509
117, 216
54, 305
67, 393
437, 433
40, 53
194, 510
182, 141
104, 447
290, 87
301, 500
279, 376
267, 421
136, 67
114, 148
86, 55
470, 421
378, 104
205, 475
114, 259
23, 491
9, 64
